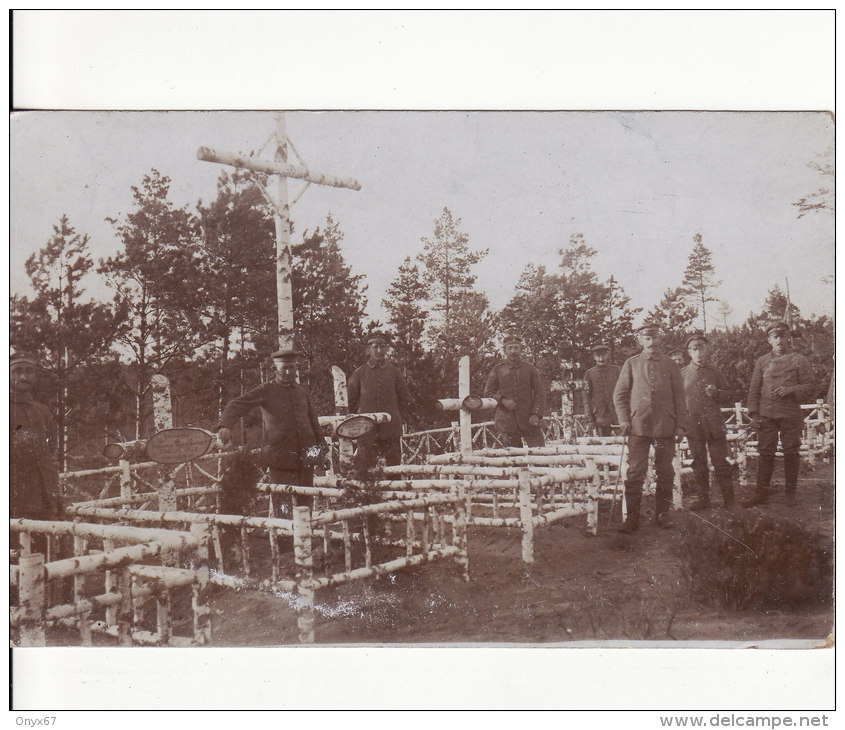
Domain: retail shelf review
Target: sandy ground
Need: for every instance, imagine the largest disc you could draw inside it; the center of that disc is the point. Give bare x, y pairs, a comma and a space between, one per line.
580, 588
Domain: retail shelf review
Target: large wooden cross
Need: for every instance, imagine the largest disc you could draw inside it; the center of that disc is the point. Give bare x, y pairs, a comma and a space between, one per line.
280, 171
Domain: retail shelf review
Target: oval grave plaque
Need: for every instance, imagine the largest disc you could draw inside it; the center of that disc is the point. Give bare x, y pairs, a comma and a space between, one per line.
178, 445
472, 403
355, 427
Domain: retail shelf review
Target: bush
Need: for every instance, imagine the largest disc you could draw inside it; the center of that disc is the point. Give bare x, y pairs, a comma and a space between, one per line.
761, 562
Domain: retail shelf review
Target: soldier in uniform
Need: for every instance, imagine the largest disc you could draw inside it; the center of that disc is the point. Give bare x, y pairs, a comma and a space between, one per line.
678, 357
651, 408
378, 387
781, 382
705, 388
520, 395
34, 473
598, 396
293, 440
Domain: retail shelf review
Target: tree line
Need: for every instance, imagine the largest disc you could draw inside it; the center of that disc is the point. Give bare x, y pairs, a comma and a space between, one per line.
193, 298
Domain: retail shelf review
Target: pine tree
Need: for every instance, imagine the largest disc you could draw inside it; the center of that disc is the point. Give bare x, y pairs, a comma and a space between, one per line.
238, 282
447, 260
699, 279
156, 280
68, 332
329, 306
675, 318
406, 315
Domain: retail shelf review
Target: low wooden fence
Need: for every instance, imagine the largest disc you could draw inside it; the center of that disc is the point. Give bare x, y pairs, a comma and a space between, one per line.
105, 586
498, 497
429, 537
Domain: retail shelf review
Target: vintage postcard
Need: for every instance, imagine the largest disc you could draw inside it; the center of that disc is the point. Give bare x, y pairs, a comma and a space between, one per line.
513, 378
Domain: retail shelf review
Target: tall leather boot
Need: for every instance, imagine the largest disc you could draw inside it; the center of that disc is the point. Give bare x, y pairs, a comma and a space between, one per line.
702, 481
633, 497
727, 488
791, 466
662, 503
764, 478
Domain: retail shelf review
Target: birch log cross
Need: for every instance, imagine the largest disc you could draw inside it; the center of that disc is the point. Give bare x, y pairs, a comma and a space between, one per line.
280, 171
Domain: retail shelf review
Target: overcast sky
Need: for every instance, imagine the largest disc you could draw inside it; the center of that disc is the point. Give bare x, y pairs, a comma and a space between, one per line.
638, 185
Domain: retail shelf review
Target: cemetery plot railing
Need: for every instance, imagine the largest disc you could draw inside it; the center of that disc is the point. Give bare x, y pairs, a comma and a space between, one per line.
104, 588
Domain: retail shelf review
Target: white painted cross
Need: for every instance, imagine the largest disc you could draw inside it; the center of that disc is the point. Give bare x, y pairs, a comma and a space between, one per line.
465, 404
281, 171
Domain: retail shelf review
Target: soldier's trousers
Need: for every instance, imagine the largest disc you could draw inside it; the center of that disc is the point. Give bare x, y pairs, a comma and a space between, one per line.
719, 458
370, 450
283, 504
789, 430
533, 437
664, 450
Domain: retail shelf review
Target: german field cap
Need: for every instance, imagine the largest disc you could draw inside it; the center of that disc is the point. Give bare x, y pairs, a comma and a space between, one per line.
512, 339
377, 337
27, 358
285, 354
777, 327
696, 338
601, 347
648, 328
677, 351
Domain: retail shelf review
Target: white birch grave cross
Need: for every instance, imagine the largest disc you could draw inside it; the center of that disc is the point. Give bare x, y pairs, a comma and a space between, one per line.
465, 404
280, 171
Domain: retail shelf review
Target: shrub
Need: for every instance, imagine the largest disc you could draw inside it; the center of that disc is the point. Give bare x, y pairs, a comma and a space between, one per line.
754, 561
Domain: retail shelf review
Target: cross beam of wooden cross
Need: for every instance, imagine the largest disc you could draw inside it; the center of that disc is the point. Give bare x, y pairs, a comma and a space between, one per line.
281, 170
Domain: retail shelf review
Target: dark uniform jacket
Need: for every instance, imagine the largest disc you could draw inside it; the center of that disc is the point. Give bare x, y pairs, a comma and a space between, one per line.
521, 383
650, 396
34, 475
790, 369
598, 397
380, 389
706, 422
290, 422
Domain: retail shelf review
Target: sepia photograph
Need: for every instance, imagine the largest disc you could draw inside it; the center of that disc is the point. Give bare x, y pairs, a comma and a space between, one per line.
499, 378
459, 377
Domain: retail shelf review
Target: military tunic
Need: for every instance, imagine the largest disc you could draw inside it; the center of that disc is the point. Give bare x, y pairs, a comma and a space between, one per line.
598, 397
34, 474
706, 421
290, 422
522, 384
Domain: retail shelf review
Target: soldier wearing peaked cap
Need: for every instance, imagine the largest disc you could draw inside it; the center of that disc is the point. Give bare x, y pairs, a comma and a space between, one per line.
678, 356
293, 438
378, 386
34, 473
520, 395
705, 388
782, 380
651, 407
598, 395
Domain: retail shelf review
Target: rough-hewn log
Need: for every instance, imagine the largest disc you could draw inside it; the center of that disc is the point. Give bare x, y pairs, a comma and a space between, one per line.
32, 598
384, 568
525, 517
207, 154
147, 516
100, 561
304, 574
171, 539
346, 514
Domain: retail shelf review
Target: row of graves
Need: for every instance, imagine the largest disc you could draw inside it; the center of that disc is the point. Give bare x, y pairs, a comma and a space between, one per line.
137, 567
